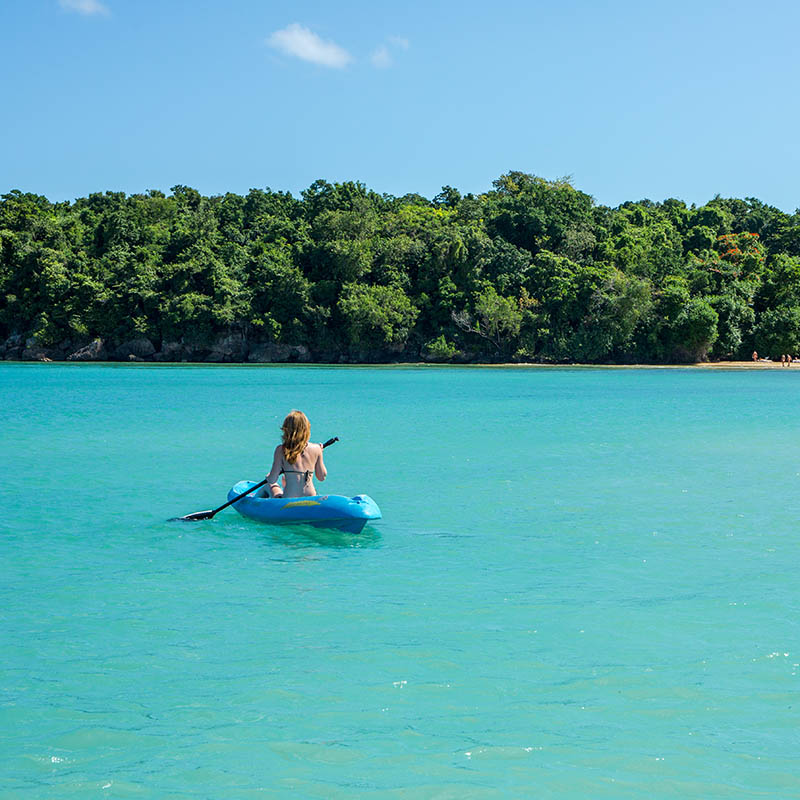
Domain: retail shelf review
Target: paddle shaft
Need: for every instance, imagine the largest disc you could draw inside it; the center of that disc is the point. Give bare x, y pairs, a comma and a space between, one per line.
259, 485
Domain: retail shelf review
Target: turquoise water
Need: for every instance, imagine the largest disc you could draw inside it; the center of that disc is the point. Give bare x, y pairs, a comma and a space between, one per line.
585, 584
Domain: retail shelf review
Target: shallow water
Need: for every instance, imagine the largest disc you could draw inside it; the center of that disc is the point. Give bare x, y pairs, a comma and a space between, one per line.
584, 585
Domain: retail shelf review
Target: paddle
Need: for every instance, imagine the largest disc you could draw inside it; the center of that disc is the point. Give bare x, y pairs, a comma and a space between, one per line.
198, 515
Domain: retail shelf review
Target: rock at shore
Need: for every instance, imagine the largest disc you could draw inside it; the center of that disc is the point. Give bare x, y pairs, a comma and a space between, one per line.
94, 351
171, 351
272, 352
11, 349
141, 349
226, 349
33, 351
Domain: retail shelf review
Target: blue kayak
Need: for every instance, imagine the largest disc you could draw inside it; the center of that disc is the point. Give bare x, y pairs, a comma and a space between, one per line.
348, 514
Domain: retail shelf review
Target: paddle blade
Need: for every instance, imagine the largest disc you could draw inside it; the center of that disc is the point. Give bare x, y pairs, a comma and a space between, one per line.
198, 515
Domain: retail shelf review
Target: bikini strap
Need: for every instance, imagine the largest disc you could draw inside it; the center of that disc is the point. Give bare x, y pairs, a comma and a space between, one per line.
306, 472
283, 471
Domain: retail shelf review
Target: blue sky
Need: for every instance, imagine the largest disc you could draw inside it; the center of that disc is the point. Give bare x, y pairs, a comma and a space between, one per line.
631, 99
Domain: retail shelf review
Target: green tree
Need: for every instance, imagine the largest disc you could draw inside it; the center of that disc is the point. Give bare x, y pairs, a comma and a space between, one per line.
496, 320
694, 331
536, 214
376, 318
616, 309
778, 331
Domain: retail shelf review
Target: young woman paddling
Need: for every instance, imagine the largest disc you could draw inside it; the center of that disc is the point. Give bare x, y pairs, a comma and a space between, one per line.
296, 459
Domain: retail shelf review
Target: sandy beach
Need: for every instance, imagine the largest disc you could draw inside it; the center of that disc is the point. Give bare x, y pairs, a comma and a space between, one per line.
748, 365
719, 365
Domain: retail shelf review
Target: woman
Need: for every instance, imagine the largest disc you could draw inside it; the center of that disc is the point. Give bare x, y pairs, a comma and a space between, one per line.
296, 459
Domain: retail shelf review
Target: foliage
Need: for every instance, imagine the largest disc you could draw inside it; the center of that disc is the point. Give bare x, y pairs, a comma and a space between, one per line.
496, 319
381, 315
439, 349
531, 270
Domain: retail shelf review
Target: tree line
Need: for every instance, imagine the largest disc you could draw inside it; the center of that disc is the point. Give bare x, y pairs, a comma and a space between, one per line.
531, 271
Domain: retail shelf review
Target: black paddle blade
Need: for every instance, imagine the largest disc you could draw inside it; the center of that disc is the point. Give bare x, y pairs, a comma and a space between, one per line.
198, 515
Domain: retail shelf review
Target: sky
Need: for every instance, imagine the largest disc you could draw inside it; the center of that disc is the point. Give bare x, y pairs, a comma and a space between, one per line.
631, 100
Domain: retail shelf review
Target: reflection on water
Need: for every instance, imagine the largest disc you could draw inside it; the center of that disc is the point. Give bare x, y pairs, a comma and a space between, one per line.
304, 536
295, 536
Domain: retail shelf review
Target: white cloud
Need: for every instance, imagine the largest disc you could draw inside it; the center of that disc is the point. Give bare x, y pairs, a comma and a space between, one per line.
381, 58
87, 7
295, 40
382, 55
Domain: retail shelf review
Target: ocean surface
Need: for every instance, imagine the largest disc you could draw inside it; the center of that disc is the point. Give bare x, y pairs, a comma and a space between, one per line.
586, 584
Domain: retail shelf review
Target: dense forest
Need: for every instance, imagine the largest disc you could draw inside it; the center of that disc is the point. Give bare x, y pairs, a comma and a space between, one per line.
531, 271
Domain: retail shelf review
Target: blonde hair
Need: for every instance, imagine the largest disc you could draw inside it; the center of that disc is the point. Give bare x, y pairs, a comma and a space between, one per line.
296, 430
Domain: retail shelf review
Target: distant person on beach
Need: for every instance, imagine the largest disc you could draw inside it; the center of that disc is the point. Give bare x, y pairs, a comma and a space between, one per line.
296, 459
783, 359
788, 359
755, 356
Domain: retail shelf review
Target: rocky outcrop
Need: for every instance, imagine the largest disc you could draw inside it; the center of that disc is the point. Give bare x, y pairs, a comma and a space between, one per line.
233, 347
227, 349
33, 351
135, 350
94, 351
19, 348
180, 351
11, 349
171, 351
272, 352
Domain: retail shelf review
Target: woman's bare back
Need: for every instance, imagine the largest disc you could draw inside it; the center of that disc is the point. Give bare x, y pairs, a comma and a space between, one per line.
298, 476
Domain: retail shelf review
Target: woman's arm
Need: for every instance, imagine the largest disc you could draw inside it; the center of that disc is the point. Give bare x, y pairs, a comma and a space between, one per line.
274, 473
319, 467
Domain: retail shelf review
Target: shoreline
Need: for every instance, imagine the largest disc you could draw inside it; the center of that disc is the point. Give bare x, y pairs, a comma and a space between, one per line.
707, 365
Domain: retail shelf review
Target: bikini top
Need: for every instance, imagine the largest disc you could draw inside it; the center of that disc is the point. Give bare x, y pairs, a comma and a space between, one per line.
307, 472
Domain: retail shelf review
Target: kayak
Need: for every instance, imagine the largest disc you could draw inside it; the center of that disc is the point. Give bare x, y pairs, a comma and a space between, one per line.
348, 514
